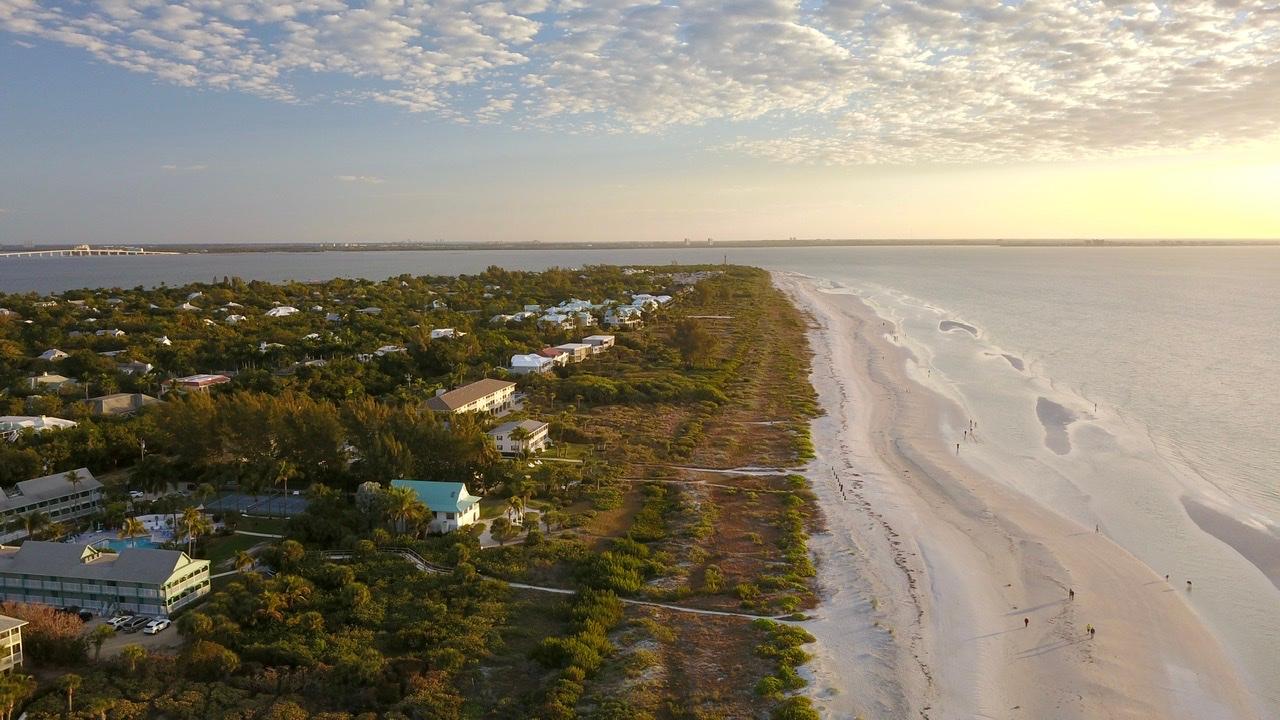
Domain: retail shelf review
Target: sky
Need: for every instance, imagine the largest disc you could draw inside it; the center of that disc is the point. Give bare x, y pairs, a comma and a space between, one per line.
142, 121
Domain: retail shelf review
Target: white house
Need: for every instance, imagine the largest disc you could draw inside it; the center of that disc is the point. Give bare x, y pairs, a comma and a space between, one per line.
53, 355
450, 504
11, 426
531, 363
135, 367
438, 333
577, 352
370, 311
599, 343
112, 332
10, 643
556, 320
282, 311
525, 436
187, 306
235, 319
50, 381
389, 350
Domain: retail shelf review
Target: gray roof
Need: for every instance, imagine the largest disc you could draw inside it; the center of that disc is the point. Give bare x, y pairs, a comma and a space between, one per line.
46, 488
68, 560
119, 403
8, 623
467, 394
528, 425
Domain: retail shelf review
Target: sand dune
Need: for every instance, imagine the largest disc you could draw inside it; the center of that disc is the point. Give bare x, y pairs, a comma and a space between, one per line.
930, 570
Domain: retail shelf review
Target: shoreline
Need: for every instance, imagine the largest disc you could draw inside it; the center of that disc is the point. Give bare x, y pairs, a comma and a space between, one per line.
929, 569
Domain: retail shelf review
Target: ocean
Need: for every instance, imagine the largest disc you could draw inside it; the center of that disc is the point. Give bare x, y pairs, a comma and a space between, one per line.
1137, 389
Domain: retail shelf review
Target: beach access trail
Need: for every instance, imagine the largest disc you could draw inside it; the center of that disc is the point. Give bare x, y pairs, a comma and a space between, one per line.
929, 570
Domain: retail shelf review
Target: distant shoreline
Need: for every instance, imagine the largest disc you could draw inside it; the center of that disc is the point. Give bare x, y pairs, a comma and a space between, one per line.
209, 249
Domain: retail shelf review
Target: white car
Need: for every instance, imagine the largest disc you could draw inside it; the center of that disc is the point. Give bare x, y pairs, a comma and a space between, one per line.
136, 494
155, 626
119, 620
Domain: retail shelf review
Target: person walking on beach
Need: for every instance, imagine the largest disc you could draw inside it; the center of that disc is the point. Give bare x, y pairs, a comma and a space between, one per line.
1188, 586
1089, 629
957, 448
1026, 622
1092, 630
1071, 594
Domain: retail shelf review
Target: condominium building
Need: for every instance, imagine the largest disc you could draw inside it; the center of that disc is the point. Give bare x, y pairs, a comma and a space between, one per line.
136, 580
63, 497
10, 643
486, 395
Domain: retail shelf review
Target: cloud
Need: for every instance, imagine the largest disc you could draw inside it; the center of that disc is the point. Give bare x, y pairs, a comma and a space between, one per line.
848, 82
364, 179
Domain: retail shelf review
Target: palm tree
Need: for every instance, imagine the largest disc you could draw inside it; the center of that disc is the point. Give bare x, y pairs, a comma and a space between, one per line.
70, 683
403, 508
285, 470
132, 528
100, 636
244, 561
33, 523
73, 477
194, 523
15, 688
133, 655
515, 506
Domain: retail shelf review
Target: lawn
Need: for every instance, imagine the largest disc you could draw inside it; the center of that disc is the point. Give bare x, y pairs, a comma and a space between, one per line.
221, 549
273, 526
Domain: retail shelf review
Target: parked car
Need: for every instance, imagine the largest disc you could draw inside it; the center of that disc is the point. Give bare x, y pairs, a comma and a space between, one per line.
137, 623
155, 626
119, 620
136, 494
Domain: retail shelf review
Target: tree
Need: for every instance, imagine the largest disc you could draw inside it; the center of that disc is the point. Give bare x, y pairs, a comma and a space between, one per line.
100, 636
76, 480
554, 519
402, 508
244, 561
15, 688
502, 530
194, 524
33, 523
133, 655
207, 660
69, 684
132, 528
693, 341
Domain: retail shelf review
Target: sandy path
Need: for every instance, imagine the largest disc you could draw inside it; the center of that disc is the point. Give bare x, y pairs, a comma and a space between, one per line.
929, 570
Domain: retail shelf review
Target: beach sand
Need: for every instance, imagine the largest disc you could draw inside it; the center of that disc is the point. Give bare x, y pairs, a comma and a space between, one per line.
928, 569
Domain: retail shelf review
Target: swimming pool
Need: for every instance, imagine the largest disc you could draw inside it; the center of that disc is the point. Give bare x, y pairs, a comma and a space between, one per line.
118, 545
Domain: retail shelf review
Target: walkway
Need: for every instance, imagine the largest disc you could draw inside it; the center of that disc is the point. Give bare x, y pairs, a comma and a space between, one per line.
424, 565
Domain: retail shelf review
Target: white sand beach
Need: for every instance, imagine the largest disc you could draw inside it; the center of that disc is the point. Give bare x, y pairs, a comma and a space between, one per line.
930, 569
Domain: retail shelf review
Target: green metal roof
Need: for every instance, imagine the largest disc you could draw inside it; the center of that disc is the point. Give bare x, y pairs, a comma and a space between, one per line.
440, 496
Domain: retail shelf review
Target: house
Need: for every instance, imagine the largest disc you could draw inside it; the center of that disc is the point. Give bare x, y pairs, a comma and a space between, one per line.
450, 504
281, 311
370, 311
187, 306
112, 332
199, 383
532, 308
599, 343
53, 355
446, 333
556, 320
558, 357
10, 643
136, 580
265, 347
7, 313
50, 381
236, 319
164, 340
53, 495
11, 426
119, 404
500, 319
531, 363
390, 350
585, 319
135, 367
524, 436
577, 352
487, 395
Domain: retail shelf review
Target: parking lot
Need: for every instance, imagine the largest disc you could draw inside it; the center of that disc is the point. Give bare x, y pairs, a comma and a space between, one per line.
167, 641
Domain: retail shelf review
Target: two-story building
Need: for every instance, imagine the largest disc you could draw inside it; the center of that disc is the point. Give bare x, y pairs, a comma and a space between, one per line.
135, 580
54, 495
10, 643
577, 352
484, 396
599, 343
524, 436
450, 504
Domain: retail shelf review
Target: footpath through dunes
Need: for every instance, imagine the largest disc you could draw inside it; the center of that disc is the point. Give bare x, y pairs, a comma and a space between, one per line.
947, 595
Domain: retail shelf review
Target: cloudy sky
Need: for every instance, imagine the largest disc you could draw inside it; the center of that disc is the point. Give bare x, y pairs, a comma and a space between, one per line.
259, 121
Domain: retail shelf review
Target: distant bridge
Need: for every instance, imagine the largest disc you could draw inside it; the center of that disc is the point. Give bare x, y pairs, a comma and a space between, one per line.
83, 251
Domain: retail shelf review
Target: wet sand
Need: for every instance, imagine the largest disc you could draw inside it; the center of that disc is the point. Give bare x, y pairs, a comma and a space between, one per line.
929, 569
